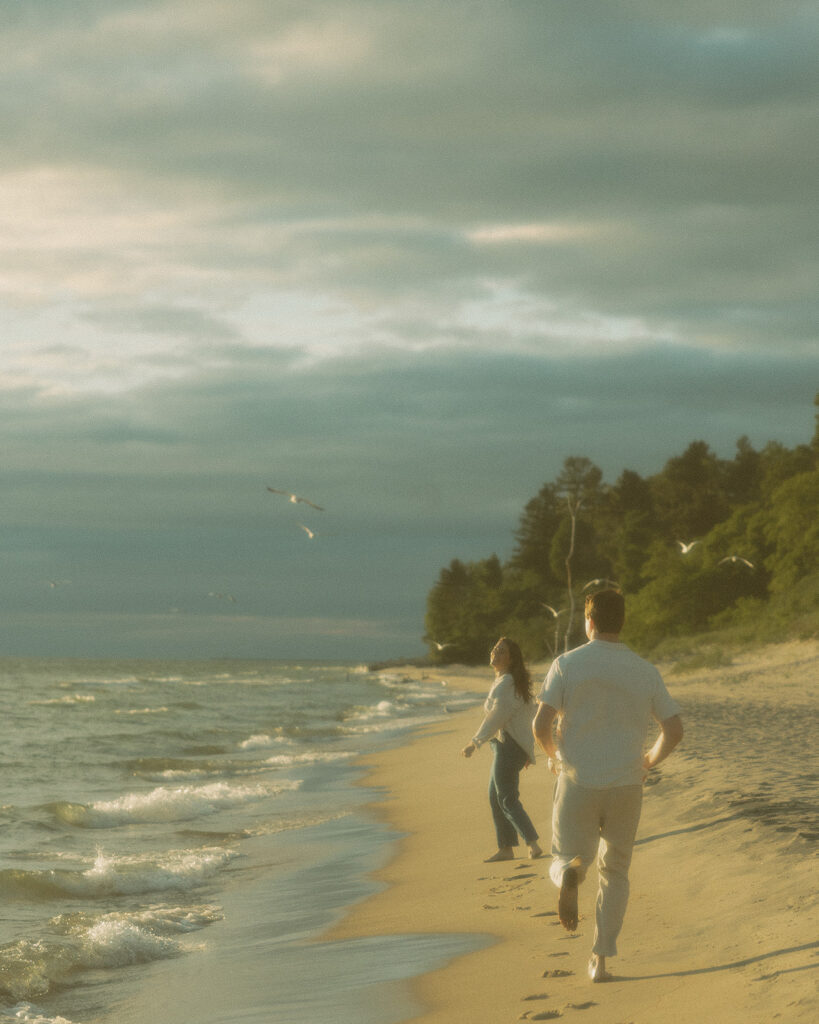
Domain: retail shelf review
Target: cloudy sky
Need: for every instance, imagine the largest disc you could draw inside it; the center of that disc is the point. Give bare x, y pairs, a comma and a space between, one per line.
400, 257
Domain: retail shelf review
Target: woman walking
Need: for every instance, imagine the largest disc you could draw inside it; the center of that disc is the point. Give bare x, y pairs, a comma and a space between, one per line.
508, 727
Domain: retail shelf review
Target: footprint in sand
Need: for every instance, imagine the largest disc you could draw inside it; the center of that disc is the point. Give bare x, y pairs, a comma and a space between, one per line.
546, 913
563, 953
554, 1014
506, 888
557, 972
509, 888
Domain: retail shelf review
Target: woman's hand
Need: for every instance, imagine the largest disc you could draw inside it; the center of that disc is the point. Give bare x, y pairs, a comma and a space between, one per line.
469, 749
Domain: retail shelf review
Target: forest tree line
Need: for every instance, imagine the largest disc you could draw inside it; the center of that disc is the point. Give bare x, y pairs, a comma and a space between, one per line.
703, 544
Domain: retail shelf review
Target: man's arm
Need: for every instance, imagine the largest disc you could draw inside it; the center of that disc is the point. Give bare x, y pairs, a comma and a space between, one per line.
671, 732
542, 728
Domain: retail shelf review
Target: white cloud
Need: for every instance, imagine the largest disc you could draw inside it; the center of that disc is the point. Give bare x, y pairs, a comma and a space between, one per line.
535, 233
330, 47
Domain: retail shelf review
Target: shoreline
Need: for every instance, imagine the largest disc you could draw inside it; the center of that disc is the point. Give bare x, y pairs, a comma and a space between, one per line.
719, 917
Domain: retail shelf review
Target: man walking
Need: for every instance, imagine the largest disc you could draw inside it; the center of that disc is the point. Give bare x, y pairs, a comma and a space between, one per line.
603, 696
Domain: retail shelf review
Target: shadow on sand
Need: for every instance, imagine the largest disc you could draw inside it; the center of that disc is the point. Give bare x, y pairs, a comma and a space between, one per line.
728, 967
690, 828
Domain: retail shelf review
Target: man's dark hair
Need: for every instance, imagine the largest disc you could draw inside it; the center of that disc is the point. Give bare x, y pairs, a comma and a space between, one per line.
607, 610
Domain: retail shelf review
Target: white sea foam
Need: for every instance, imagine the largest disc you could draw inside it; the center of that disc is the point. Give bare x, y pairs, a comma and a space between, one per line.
384, 724
383, 709
258, 742
122, 875
176, 774
271, 828
160, 921
141, 711
314, 757
26, 1013
68, 698
175, 869
165, 804
118, 943
119, 939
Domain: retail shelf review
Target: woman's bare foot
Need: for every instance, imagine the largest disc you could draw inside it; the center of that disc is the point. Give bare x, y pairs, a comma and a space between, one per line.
535, 851
504, 853
597, 968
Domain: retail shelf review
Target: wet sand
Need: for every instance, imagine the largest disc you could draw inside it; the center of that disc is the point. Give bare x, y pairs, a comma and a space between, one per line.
722, 919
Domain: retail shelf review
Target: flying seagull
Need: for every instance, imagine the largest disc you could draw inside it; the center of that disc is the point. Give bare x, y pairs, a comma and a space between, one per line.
310, 533
601, 583
57, 583
685, 548
442, 646
226, 597
549, 608
295, 499
736, 558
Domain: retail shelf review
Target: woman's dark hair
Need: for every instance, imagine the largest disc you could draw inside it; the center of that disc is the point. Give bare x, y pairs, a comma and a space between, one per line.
518, 671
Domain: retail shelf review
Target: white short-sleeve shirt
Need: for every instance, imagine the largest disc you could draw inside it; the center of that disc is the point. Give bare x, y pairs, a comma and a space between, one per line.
607, 696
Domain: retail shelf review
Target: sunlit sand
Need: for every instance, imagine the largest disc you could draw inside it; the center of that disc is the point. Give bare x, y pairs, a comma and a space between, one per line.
721, 918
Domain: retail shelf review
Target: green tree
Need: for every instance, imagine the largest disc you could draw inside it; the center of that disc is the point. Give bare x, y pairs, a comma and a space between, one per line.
465, 611
778, 464
815, 441
690, 494
629, 526
793, 530
743, 476
540, 518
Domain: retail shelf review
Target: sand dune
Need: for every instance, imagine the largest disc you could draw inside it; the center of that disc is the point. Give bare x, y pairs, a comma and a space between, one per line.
722, 921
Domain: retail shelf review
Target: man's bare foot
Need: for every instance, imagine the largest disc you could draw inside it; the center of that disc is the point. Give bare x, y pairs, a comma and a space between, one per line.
567, 900
505, 853
535, 852
597, 968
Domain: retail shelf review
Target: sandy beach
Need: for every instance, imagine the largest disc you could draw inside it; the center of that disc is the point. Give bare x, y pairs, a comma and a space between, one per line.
722, 919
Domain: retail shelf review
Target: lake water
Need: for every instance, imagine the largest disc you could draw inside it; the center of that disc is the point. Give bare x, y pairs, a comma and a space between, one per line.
176, 836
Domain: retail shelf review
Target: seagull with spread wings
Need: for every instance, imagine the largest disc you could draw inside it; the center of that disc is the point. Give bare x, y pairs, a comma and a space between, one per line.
736, 559
601, 583
295, 499
685, 548
554, 612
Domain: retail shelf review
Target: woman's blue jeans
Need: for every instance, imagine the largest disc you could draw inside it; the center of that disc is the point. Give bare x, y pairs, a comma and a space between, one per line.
508, 814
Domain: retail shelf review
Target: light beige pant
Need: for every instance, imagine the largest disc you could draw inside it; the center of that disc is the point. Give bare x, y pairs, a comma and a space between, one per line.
584, 819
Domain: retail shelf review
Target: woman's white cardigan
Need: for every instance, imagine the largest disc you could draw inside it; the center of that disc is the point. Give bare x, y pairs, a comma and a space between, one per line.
507, 712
